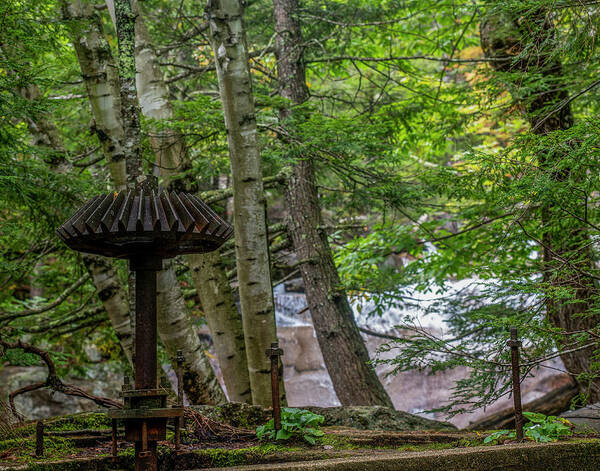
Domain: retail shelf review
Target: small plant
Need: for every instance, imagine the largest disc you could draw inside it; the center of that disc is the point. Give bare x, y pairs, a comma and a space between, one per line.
540, 428
295, 423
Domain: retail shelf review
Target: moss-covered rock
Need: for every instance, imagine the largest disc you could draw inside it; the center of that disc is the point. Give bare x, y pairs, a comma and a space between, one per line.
359, 417
377, 418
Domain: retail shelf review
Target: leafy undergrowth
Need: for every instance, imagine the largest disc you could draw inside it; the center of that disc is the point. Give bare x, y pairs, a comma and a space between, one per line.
540, 428
295, 424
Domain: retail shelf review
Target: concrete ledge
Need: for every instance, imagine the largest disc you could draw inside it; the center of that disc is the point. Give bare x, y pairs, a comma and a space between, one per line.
561, 456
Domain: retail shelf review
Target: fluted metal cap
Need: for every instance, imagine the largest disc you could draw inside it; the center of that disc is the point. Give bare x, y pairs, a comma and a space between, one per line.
140, 222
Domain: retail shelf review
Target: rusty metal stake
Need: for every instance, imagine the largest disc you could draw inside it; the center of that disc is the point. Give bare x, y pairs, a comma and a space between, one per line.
274, 353
179, 420
514, 345
39, 439
114, 439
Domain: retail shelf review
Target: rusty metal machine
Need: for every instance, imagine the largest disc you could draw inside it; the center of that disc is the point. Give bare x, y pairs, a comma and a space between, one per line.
145, 226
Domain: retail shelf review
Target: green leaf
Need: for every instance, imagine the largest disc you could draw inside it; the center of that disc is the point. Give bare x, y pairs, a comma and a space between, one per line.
283, 435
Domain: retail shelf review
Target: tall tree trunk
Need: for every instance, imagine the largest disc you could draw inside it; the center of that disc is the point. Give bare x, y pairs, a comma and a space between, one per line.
208, 273
113, 297
130, 112
175, 327
547, 110
178, 333
101, 82
168, 145
228, 38
224, 322
344, 351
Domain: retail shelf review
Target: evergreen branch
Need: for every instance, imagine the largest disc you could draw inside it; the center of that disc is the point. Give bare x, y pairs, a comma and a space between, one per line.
566, 102
403, 58
8, 316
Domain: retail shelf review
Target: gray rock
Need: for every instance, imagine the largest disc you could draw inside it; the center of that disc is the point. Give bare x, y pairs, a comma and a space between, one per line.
586, 418
377, 418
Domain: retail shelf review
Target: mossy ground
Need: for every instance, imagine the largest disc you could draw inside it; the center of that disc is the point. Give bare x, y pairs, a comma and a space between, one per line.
62, 454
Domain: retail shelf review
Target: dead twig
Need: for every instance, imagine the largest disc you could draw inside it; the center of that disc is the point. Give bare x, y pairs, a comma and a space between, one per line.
204, 428
52, 381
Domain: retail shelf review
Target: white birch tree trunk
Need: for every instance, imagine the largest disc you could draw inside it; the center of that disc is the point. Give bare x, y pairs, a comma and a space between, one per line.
209, 275
177, 332
101, 82
228, 38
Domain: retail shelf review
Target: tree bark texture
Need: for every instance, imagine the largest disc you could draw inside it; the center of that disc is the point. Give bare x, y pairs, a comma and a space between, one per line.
113, 297
228, 38
208, 273
177, 332
223, 321
346, 357
130, 113
101, 80
505, 35
168, 144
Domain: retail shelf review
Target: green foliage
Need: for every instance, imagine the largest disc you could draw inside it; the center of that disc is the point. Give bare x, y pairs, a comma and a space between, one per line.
427, 168
295, 424
540, 428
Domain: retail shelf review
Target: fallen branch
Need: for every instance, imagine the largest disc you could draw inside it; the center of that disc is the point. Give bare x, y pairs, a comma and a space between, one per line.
204, 428
52, 382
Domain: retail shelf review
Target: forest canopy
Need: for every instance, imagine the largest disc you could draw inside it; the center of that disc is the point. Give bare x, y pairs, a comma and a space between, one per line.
396, 147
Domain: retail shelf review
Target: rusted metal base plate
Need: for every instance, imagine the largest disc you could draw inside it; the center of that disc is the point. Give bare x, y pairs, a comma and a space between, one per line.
166, 412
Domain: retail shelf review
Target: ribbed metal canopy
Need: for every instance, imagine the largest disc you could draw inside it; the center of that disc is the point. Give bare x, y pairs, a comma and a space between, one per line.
140, 222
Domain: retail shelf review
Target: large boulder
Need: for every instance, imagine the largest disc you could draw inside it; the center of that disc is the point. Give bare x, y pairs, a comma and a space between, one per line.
358, 417
377, 418
585, 419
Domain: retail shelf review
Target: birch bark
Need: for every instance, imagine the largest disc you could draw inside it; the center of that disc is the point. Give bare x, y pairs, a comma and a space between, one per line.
101, 80
208, 273
175, 327
228, 38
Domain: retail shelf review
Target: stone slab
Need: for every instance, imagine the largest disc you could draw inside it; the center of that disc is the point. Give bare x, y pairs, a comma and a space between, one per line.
561, 456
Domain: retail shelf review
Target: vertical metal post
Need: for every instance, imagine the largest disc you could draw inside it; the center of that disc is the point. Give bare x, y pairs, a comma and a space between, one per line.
274, 353
145, 326
514, 345
39, 439
146, 357
179, 420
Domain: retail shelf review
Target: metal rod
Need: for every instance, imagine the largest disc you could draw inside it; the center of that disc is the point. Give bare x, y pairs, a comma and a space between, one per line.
274, 353
514, 345
180, 359
144, 435
39, 439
